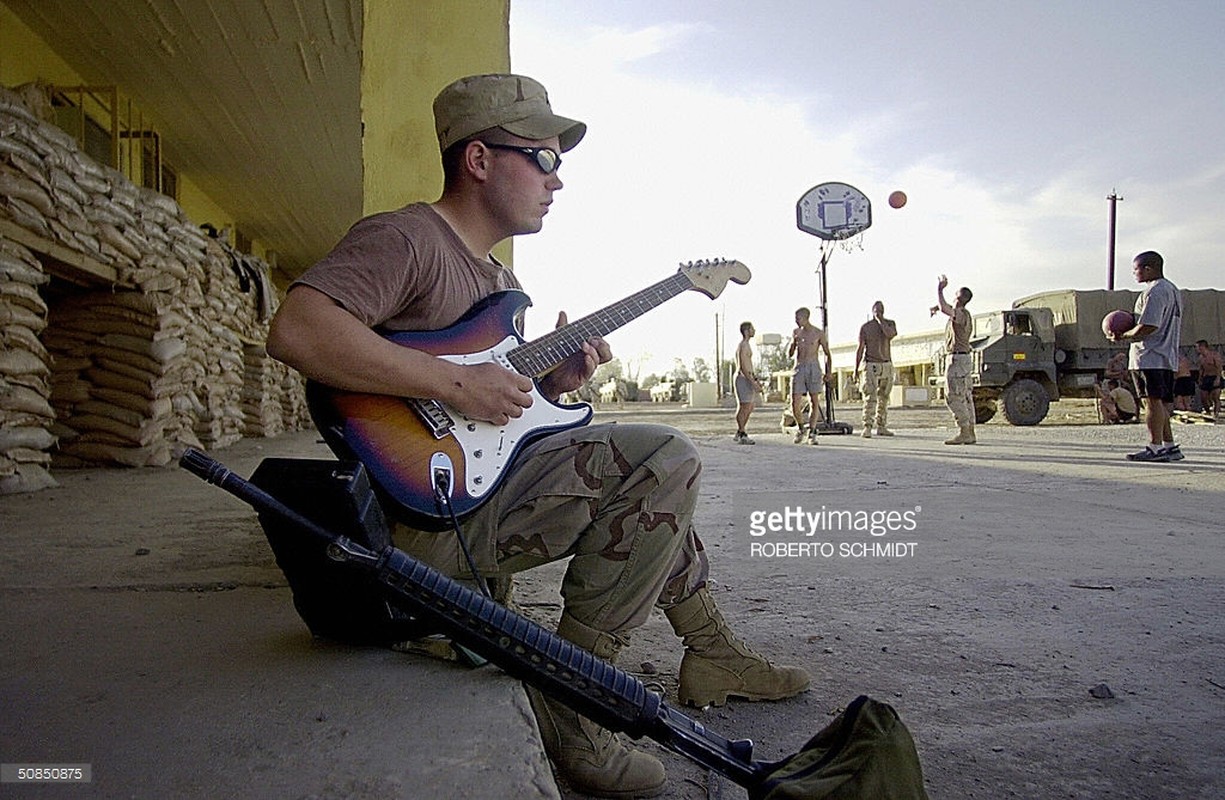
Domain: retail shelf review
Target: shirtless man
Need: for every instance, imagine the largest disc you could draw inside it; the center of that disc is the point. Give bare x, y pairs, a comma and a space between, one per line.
1210, 365
747, 385
1184, 384
806, 342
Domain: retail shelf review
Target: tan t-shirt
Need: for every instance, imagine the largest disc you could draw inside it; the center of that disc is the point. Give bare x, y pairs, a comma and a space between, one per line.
957, 332
406, 270
876, 336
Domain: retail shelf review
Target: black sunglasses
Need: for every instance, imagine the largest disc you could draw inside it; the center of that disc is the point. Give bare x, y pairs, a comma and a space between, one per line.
548, 160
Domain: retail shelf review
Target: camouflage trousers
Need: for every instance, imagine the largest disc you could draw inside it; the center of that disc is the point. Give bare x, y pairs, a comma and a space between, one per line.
876, 387
959, 388
616, 499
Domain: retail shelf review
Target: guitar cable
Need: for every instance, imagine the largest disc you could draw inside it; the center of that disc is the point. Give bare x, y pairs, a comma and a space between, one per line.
444, 503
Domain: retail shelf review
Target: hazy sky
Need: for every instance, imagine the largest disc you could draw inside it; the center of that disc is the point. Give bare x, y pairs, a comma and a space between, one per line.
1007, 124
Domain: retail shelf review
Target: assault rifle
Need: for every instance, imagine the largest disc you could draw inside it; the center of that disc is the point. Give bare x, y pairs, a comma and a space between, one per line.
418, 595
590, 685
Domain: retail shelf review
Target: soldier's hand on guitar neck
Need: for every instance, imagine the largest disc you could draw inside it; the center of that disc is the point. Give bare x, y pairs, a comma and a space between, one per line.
578, 368
575, 370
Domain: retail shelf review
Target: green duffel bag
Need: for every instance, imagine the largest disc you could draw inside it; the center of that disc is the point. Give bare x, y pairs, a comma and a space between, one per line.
866, 753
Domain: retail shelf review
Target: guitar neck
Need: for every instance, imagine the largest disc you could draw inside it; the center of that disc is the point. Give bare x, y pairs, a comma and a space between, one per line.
537, 357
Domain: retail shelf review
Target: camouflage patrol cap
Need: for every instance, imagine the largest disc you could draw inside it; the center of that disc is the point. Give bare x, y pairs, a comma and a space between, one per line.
514, 103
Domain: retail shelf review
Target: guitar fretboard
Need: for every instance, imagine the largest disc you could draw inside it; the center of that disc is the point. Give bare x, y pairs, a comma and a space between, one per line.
537, 357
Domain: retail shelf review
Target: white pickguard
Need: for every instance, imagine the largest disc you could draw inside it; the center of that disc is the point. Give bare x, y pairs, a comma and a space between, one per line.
487, 447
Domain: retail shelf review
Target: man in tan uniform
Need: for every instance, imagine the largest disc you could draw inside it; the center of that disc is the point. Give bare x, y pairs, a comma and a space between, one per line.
875, 354
617, 500
958, 375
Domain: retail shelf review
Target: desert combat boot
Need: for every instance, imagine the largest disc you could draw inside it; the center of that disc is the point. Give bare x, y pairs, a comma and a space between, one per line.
965, 436
591, 758
717, 664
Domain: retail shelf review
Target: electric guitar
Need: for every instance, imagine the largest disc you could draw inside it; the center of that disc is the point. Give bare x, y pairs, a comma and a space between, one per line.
432, 461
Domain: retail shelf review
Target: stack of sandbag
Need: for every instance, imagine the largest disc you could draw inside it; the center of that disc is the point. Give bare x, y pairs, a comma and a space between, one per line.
219, 418
139, 371
51, 188
40, 189
293, 400
122, 378
171, 245
263, 412
274, 396
26, 414
25, 191
230, 315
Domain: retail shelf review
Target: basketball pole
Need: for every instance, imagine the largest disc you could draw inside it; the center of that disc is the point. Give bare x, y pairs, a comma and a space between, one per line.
833, 212
1114, 199
827, 247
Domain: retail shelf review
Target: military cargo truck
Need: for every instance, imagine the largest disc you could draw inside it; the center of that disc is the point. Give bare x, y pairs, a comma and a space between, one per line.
1050, 345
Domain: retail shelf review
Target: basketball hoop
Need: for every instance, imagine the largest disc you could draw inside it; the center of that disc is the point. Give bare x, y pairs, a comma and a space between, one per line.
833, 212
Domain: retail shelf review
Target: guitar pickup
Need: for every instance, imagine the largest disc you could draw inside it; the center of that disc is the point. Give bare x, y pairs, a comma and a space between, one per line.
434, 415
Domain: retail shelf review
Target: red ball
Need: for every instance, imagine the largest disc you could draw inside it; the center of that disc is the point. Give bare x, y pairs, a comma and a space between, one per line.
1118, 322
897, 199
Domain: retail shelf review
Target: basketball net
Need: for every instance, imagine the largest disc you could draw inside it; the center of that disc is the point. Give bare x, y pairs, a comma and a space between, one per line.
848, 240
851, 243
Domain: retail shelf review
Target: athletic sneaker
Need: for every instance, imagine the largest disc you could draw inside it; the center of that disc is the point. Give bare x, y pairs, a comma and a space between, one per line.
1148, 454
742, 438
800, 433
1174, 452
812, 437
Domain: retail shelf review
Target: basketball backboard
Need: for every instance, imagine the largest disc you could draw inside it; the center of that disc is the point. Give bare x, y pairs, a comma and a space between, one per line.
833, 211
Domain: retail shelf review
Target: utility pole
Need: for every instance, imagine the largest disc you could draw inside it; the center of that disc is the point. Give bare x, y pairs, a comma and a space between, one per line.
1114, 199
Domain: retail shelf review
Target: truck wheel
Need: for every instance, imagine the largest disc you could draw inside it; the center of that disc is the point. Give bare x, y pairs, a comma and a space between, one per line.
1025, 402
984, 411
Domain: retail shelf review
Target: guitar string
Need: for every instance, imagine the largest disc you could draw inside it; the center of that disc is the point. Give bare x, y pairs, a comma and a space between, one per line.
534, 358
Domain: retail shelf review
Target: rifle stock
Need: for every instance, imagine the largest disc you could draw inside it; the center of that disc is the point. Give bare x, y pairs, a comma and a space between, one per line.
591, 686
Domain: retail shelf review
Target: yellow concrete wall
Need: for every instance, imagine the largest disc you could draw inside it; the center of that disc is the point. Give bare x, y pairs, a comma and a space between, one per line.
25, 57
410, 50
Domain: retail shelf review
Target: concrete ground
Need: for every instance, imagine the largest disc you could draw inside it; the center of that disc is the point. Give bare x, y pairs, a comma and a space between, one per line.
147, 632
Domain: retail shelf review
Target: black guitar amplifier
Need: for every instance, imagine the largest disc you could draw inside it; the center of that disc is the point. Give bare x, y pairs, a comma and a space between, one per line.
336, 600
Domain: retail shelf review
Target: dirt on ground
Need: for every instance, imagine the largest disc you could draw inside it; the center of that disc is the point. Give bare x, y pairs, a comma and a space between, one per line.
1056, 632
1061, 636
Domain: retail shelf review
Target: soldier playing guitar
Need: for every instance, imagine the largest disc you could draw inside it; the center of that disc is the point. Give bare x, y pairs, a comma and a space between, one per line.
363, 324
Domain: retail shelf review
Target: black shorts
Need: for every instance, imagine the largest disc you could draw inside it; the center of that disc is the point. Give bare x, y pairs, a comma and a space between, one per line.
1209, 382
1155, 384
1184, 386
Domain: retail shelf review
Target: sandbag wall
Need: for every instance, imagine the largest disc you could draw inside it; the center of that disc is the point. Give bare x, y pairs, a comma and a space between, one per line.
171, 355
25, 387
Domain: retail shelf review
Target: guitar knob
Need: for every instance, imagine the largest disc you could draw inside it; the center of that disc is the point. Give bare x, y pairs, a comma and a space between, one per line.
478, 453
478, 480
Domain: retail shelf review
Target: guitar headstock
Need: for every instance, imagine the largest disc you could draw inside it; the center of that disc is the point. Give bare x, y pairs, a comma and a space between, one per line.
709, 277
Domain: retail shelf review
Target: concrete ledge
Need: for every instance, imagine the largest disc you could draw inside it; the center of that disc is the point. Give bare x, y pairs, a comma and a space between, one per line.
223, 694
147, 632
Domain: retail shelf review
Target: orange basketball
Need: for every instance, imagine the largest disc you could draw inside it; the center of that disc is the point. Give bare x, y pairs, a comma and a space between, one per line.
1118, 322
897, 199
